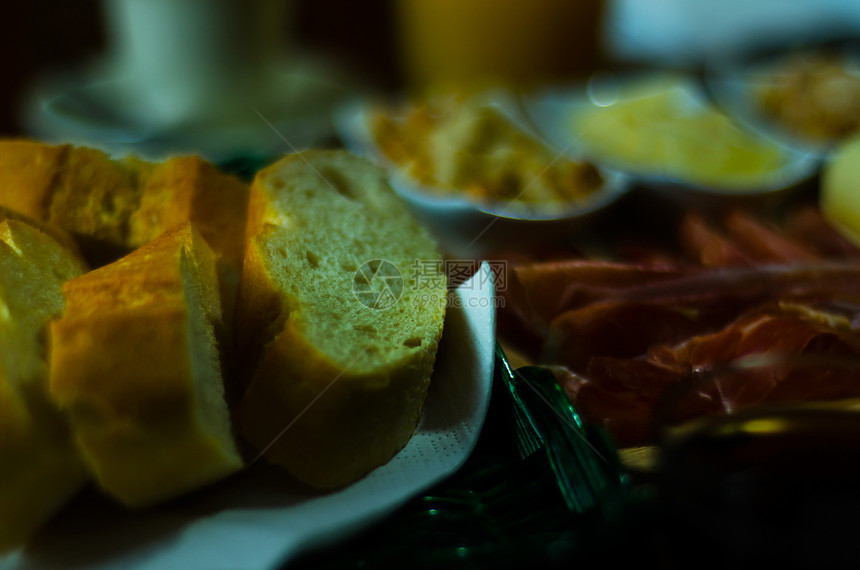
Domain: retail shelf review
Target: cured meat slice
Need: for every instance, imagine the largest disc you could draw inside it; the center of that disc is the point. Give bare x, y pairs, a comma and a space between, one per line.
629, 396
708, 246
764, 243
806, 225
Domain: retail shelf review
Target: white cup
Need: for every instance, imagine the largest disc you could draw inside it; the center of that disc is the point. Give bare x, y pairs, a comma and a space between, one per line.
191, 60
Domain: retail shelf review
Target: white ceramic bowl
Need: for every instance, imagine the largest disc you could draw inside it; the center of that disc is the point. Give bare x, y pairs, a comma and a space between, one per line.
466, 226
553, 110
733, 79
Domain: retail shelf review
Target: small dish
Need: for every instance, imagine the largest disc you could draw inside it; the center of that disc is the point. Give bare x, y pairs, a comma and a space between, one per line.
671, 142
101, 106
467, 226
804, 94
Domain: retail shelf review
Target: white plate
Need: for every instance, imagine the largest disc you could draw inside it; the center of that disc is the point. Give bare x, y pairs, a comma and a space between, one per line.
260, 519
467, 227
99, 106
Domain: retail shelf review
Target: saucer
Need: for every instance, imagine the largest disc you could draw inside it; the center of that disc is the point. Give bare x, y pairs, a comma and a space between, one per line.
102, 108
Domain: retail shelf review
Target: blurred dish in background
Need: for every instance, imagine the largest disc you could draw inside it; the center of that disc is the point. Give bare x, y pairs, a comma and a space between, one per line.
804, 93
94, 110
472, 169
461, 145
682, 34
662, 129
216, 78
814, 96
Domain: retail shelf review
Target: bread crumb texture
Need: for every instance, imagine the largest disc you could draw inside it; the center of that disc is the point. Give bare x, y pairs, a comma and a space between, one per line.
39, 467
338, 335
135, 363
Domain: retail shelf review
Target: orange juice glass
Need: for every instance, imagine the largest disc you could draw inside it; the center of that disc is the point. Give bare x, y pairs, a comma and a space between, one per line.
518, 43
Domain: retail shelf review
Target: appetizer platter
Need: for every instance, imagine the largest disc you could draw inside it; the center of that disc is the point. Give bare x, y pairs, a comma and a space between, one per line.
243, 371
740, 228
718, 291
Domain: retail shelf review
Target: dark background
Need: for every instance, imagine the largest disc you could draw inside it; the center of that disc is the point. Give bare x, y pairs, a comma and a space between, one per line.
44, 35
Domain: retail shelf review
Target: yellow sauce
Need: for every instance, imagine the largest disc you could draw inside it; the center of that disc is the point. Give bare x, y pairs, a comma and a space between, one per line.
664, 129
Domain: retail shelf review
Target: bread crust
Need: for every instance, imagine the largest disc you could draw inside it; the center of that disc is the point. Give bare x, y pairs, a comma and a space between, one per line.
28, 174
326, 420
187, 188
118, 205
39, 466
325, 424
122, 367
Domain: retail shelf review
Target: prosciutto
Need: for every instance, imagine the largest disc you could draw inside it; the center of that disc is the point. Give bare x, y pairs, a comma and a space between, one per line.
538, 293
637, 346
632, 397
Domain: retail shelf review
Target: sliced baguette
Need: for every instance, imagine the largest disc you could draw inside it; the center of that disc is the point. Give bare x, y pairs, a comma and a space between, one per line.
39, 466
337, 385
135, 364
113, 206
122, 203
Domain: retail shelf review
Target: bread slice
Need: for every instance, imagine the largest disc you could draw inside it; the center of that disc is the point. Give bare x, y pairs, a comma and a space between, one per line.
122, 203
79, 189
28, 174
113, 206
135, 363
39, 467
339, 336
